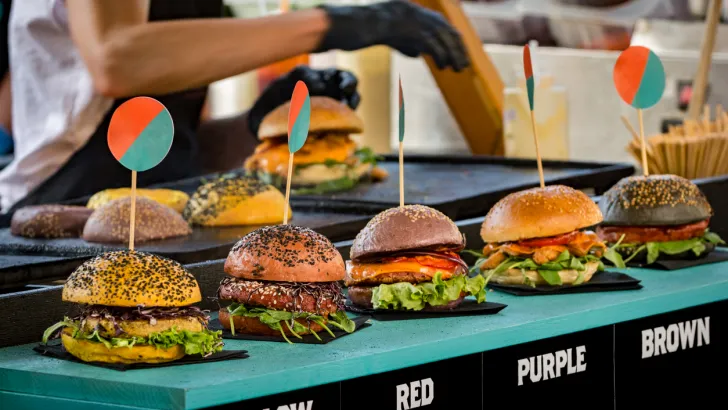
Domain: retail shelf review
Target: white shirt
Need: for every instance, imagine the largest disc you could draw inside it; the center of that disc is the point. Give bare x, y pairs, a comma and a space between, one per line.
55, 107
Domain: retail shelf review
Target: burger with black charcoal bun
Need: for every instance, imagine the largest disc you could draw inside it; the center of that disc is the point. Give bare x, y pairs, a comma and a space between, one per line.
283, 282
135, 308
656, 217
538, 237
407, 258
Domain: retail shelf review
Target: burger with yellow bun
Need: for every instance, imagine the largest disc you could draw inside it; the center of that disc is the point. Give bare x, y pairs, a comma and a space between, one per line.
235, 200
135, 308
170, 197
328, 161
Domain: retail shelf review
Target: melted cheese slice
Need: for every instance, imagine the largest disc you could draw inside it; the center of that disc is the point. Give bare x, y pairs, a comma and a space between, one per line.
358, 272
271, 156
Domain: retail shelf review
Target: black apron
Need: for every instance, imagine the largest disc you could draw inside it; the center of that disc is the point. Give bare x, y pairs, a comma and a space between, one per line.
94, 169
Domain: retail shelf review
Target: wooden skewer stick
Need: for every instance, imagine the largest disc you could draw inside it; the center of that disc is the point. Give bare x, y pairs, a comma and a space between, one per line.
706, 119
645, 169
718, 118
132, 211
288, 189
401, 173
538, 152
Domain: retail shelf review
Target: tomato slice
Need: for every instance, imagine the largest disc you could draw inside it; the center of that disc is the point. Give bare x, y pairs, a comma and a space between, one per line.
549, 241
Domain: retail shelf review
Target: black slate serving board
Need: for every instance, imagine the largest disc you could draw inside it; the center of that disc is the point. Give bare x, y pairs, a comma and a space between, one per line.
464, 186
203, 244
459, 186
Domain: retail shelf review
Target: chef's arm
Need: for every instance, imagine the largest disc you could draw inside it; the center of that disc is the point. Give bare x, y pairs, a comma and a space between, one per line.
127, 55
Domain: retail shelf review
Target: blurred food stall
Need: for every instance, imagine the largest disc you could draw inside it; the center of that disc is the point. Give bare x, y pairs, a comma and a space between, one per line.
575, 44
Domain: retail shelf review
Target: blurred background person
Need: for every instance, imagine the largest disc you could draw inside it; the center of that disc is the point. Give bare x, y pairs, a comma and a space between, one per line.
75, 61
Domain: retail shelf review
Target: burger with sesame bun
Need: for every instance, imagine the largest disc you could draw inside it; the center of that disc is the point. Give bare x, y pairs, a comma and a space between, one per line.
235, 200
283, 282
134, 308
329, 160
538, 237
656, 217
406, 258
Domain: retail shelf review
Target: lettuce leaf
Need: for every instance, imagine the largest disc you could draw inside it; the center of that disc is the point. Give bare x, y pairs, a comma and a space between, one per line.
654, 249
205, 342
277, 319
405, 295
341, 184
548, 271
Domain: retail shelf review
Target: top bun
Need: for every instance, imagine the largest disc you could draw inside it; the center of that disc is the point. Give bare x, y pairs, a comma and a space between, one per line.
110, 223
285, 253
539, 213
130, 279
235, 201
654, 200
327, 115
169, 197
406, 228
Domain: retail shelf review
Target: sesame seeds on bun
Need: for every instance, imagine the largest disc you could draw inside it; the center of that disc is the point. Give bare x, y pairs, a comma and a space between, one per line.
655, 200
410, 227
285, 253
538, 213
49, 221
110, 222
235, 201
130, 279
327, 115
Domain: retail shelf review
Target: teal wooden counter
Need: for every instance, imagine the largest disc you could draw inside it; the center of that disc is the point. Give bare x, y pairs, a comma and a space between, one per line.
28, 379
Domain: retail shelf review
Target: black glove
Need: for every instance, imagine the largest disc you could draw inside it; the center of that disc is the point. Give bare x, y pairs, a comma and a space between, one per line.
337, 84
408, 28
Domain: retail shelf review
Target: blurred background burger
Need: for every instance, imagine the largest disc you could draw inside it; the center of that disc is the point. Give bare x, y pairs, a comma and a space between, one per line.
328, 161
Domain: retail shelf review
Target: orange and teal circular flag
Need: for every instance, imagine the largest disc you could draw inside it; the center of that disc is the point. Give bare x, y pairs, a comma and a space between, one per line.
299, 117
528, 71
639, 77
140, 133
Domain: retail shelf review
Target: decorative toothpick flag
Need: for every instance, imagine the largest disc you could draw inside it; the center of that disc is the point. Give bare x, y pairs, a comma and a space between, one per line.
640, 81
140, 135
299, 118
401, 144
528, 71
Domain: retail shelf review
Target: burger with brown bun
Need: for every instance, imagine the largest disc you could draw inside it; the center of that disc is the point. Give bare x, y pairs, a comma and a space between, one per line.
136, 308
283, 281
406, 258
537, 237
328, 161
647, 218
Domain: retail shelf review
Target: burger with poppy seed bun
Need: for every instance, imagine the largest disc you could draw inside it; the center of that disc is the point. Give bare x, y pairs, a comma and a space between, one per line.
656, 217
407, 258
537, 237
135, 308
235, 200
283, 282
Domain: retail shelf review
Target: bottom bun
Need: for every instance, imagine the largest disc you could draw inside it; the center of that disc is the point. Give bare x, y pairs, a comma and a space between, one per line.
515, 276
253, 326
641, 257
89, 351
361, 296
